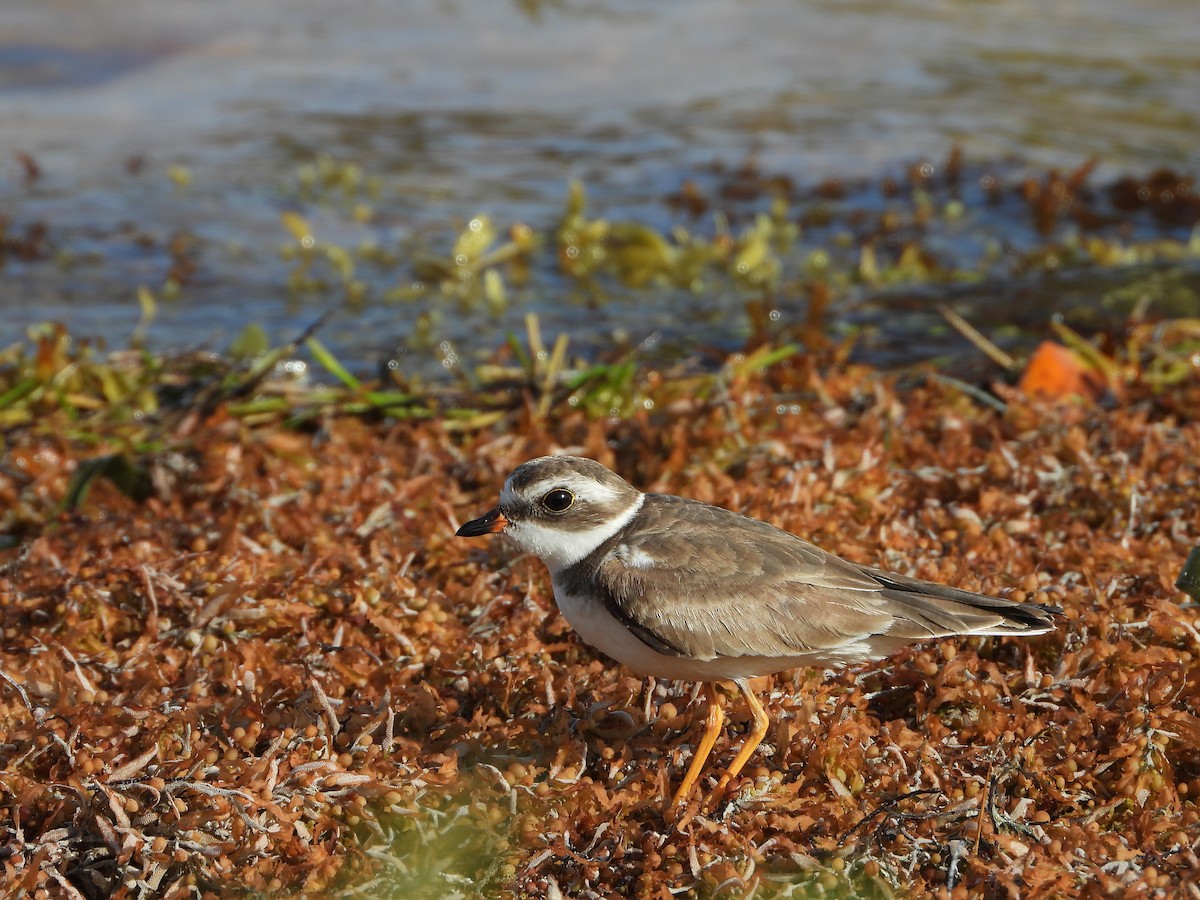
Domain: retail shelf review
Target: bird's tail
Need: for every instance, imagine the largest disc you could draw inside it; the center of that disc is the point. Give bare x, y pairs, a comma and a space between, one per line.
936, 610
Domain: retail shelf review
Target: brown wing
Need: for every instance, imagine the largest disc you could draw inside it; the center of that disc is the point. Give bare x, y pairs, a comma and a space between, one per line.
741, 587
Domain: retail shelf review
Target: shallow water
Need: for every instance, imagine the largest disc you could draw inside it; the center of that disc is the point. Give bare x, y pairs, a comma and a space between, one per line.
460, 108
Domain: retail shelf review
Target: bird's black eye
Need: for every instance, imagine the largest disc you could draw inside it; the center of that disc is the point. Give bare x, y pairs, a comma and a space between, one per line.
558, 500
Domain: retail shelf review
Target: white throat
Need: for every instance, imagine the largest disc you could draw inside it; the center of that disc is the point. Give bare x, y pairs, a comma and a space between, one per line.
560, 548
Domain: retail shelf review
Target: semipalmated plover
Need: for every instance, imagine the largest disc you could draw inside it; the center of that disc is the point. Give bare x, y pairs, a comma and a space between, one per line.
678, 589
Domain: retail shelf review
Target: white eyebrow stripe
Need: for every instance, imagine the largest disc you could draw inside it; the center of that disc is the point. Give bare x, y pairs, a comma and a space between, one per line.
580, 485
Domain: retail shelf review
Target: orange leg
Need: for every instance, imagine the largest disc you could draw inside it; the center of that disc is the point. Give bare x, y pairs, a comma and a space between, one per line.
757, 733
715, 722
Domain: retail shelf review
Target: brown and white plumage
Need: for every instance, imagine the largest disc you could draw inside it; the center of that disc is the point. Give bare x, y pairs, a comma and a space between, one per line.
701, 583
679, 589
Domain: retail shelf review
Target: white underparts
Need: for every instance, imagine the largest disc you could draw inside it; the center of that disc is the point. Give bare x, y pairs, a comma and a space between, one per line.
596, 625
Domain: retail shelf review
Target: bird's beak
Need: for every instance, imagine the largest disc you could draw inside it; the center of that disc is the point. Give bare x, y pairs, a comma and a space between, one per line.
489, 523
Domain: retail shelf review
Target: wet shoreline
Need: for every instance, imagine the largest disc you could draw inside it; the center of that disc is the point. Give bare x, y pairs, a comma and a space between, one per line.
169, 143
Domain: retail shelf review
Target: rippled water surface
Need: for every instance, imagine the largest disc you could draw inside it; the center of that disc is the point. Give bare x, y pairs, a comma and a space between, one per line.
456, 109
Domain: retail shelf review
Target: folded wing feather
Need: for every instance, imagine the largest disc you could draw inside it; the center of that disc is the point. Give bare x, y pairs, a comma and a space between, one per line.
741, 587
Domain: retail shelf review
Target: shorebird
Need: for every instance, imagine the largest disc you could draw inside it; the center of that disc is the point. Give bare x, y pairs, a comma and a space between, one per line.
678, 589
